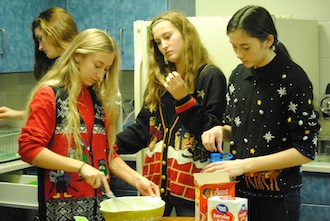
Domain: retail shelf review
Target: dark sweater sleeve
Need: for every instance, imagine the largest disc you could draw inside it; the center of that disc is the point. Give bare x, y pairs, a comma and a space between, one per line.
303, 118
204, 109
135, 136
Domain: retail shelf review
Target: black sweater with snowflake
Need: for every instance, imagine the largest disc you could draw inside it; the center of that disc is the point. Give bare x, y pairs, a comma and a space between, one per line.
270, 110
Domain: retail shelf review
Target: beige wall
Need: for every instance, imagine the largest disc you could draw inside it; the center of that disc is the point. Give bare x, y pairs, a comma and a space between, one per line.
298, 9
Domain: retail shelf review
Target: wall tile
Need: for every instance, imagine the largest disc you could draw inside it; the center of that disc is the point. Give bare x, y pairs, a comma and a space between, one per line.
26, 82
14, 90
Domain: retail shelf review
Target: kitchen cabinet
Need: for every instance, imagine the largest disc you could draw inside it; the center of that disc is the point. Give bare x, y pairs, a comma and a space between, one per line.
16, 40
93, 14
315, 197
16, 44
117, 18
127, 11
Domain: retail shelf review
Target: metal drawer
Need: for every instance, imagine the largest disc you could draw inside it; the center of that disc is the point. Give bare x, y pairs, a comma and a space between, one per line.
17, 191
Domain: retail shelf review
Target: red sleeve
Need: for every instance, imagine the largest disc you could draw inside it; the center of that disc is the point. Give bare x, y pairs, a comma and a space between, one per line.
179, 108
40, 126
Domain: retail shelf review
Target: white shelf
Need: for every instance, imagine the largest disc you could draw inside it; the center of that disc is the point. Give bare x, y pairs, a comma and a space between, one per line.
320, 167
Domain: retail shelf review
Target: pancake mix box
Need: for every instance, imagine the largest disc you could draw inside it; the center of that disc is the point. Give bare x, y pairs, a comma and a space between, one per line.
208, 185
227, 209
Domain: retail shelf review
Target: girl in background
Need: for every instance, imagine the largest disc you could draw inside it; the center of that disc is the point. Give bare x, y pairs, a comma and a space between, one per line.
52, 31
270, 121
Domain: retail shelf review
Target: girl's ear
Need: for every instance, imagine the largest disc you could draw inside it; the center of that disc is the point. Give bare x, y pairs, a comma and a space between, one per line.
77, 58
270, 39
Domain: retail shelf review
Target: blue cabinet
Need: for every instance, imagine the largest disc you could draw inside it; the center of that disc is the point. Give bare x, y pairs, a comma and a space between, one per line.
93, 14
16, 39
117, 18
128, 11
16, 43
315, 197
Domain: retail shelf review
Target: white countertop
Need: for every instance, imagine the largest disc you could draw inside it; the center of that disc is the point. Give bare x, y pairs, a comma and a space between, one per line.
13, 166
320, 167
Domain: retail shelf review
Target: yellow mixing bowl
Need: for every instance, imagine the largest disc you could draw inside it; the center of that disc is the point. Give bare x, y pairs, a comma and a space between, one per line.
133, 208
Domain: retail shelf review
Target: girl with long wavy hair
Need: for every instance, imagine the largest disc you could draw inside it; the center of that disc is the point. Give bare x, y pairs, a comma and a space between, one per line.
185, 96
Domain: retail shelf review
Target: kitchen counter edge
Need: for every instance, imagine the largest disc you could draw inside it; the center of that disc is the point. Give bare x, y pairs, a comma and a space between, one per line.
320, 167
13, 166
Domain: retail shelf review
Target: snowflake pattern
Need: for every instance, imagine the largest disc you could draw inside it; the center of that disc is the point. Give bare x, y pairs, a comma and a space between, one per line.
64, 108
266, 110
99, 112
228, 98
231, 89
268, 136
237, 121
282, 91
293, 107
313, 116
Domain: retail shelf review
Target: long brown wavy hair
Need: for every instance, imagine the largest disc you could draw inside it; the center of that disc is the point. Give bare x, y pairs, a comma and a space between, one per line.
59, 27
194, 55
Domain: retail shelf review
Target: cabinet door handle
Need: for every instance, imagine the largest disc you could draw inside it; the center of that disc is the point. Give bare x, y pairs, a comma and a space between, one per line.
3, 31
121, 41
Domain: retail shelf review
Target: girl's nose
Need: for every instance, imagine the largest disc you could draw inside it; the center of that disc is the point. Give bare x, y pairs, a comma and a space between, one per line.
239, 54
40, 48
164, 44
100, 74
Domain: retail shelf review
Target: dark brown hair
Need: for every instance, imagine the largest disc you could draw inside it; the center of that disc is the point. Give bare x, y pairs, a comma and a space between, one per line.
59, 27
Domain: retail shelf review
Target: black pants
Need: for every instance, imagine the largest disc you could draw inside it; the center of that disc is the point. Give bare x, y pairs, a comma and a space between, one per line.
284, 209
182, 207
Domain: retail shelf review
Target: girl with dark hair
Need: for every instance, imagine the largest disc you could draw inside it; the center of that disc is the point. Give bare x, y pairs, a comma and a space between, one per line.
270, 121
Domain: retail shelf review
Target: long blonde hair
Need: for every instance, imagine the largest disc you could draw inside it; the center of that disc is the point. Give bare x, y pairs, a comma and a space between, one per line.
65, 74
194, 55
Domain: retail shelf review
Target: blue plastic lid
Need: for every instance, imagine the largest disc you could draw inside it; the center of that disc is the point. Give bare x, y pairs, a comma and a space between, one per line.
215, 157
218, 157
